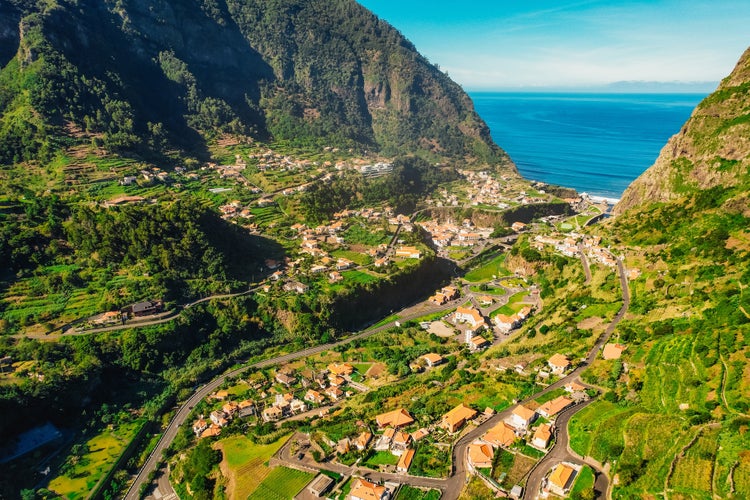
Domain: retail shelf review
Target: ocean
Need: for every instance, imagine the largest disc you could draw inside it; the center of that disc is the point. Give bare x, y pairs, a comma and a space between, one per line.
595, 143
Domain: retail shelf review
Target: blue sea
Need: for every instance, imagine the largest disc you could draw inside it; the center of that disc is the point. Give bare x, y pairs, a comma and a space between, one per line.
595, 143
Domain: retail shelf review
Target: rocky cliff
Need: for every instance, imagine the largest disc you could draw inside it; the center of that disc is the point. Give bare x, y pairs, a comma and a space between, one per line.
712, 148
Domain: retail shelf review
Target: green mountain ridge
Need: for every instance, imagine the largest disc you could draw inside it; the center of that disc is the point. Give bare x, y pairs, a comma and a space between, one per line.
711, 150
674, 419
141, 75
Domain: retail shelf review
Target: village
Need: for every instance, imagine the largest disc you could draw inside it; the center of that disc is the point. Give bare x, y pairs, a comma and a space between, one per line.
388, 443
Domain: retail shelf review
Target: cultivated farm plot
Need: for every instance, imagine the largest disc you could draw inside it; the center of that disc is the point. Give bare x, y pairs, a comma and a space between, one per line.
693, 472
515, 466
601, 415
247, 462
407, 492
281, 483
356, 257
650, 440
266, 215
670, 380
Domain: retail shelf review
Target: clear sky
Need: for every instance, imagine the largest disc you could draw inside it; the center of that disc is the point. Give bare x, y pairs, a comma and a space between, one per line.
494, 44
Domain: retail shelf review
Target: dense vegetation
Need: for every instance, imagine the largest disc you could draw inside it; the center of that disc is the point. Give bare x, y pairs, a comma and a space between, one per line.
682, 386
173, 250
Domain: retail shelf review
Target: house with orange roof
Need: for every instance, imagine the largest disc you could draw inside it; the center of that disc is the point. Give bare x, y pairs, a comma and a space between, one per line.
212, 431
314, 397
433, 359
334, 393
199, 426
500, 435
419, 434
286, 379
468, 315
558, 363
561, 479
480, 455
365, 490
524, 312
439, 299
404, 462
219, 418
363, 440
220, 395
336, 381
230, 408
343, 446
456, 418
542, 437
613, 351
486, 300
272, 414
552, 408
341, 369
396, 418
478, 343
401, 441
297, 406
505, 323
574, 387
385, 440
521, 418
246, 408
408, 252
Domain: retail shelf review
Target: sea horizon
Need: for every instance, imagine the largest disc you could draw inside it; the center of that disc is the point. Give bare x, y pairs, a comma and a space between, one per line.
593, 142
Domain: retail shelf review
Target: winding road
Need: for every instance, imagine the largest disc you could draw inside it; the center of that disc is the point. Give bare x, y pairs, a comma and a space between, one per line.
453, 485
151, 465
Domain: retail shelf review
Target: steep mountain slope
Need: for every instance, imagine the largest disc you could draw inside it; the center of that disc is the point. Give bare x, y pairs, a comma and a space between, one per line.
145, 74
712, 149
675, 415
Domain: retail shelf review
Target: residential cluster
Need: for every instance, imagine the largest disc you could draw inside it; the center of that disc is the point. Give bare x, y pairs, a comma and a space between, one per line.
449, 234
290, 393
573, 244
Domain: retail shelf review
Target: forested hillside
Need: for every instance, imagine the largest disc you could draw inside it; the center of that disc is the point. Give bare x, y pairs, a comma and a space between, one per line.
141, 76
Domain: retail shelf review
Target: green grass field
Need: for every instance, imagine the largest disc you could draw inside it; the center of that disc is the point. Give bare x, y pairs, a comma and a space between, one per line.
381, 458
487, 271
357, 234
513, 306
281, 483
584, 482
360, 259
359, 277
410, 493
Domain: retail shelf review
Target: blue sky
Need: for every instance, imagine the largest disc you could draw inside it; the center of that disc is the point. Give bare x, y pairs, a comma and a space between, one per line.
494, 44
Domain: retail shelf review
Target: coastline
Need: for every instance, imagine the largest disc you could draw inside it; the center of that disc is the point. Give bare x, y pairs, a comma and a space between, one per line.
597, 143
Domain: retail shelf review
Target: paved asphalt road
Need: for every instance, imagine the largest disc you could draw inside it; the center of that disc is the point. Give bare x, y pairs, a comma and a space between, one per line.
181, 416
561, 451
453, 486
